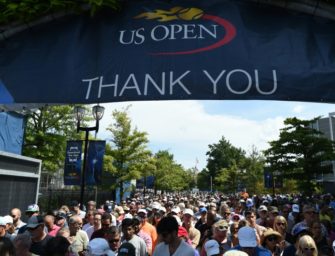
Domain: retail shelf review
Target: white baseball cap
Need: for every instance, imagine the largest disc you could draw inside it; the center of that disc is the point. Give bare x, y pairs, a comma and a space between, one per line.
212, 247
188, 211
295, 208
247, 237
99, 246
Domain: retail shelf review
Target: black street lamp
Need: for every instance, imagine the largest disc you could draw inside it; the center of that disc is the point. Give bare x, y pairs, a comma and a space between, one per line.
80, 112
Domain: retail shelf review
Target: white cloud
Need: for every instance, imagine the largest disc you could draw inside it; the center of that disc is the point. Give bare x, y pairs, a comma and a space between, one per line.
186, 130
298, 109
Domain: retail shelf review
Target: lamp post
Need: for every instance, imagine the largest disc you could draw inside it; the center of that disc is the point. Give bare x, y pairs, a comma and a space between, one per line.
80, 112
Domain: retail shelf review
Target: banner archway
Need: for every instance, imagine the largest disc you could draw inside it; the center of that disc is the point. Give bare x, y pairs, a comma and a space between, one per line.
158, 50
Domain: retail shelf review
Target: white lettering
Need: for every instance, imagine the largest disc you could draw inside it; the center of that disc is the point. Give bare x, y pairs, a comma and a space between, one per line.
149, 78
139, 36
274, 73
175, 29
90, 81
122, 32
178, 81
211, 33
135, 86
240, 71
188, 30
165, 33
214, 81
115, 84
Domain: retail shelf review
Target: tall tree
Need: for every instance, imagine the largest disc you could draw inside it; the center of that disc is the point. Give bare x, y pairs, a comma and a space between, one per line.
221, 156
131, 158
48, 128
169, 175
254, 166
301, 152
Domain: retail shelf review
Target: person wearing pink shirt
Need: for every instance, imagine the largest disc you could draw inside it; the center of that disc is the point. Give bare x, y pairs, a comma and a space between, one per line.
49, 222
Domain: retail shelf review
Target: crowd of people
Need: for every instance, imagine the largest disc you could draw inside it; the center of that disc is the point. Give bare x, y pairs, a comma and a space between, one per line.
188, 224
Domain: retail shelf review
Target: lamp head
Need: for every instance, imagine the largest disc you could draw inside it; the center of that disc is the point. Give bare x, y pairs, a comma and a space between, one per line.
98, 112
79, 112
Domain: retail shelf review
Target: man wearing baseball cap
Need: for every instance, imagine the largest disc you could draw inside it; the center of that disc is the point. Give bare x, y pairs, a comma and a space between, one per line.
146, 227
3, 232
32, 210
194, 234
248, 242
39, 237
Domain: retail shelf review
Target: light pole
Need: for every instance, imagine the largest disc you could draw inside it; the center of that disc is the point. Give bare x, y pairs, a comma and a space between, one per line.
80, 112
330, 115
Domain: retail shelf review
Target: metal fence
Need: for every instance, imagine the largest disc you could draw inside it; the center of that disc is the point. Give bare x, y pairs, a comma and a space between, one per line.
52, 199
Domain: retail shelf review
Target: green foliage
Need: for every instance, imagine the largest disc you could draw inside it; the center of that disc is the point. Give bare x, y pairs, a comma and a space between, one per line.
29, 10
169, 175
222, 156
227, 179
204, 180
47, 131
254, 166
129, 154
300, 153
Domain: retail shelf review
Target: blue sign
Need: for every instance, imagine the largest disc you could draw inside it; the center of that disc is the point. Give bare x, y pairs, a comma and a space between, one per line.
147, 182
96, 152
167, 50
12, 127
268, 179
72, 167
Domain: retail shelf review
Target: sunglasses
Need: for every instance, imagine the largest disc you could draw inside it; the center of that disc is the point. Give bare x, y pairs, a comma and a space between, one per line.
272, 238
30, 229
309, 249
114, 240
280, 224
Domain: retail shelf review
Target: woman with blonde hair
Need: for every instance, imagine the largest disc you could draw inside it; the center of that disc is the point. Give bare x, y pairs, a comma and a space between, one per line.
280, 225
306, 246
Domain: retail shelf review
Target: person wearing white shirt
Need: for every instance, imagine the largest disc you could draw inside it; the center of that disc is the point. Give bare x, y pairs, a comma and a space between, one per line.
171, 244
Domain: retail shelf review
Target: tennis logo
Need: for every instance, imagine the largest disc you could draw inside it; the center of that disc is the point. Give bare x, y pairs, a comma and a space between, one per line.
181, 25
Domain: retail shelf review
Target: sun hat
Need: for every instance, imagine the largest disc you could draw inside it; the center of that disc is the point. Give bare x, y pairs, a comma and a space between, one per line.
247, 237
271, 232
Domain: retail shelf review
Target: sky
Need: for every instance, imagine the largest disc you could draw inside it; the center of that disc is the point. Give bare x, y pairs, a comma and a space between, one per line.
186, 128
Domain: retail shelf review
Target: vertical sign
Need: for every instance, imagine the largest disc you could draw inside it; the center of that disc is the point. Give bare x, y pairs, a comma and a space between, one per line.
96, 152
268, 179
72, 167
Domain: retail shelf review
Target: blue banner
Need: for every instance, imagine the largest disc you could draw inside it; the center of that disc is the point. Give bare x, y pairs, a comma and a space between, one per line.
268, 179
72, 167
147, 182
96, 152
12, 127
167, 50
